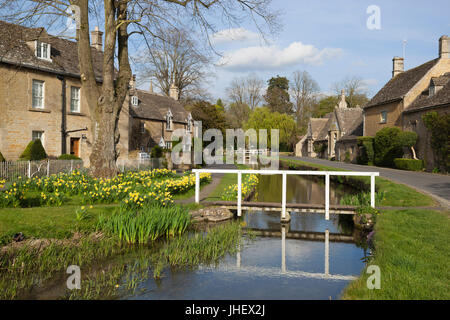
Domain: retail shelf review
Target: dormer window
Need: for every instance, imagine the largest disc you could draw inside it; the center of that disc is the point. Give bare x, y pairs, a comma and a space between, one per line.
43, 50
432, 91
169, 120
135, 101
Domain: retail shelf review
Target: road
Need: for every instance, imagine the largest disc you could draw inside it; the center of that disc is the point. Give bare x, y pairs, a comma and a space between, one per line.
436, 185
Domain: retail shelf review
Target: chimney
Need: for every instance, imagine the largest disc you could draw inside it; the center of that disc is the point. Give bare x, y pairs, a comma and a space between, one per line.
444, 47
398, 66
97, 39
174, 92
133, 82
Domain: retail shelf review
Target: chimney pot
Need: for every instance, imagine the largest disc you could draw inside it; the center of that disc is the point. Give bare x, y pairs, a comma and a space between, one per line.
398, 66
174, 92
97, 39
444, 47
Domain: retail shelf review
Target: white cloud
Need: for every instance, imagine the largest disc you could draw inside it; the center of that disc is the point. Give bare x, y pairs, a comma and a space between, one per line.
274, 57
234, 35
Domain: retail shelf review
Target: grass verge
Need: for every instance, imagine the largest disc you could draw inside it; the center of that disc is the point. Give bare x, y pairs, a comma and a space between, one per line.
413, 257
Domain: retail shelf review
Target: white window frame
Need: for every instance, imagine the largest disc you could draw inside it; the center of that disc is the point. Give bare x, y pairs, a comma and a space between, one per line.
189, 124
42, 97
168, 145
383, 119
40, 50
135, 101
41, 132
142, 126
78, 110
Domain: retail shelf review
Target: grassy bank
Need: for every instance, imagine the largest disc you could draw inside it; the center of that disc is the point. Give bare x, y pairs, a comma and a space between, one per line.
411, 246
413, 256
226, 181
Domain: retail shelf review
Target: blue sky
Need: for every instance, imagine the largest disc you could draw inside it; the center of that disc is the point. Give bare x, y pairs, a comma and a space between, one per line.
330, 40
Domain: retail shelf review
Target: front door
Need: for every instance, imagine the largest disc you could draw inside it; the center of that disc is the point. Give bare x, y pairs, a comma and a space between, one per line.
75, 146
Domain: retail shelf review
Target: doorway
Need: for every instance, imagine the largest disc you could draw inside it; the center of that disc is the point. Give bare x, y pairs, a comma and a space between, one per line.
75, 147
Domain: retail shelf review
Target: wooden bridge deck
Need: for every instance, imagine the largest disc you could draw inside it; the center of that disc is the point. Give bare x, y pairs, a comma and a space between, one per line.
290, 207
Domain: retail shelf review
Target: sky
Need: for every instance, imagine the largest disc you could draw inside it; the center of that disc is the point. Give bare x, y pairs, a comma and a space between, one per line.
331, 40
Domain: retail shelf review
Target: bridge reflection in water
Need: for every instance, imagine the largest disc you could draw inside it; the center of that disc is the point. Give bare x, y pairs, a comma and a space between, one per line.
271, 271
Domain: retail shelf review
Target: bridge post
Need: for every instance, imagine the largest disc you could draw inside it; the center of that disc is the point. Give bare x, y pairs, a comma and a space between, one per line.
283, 248
372, 191
239, 195
327, 196
197, 187
327, 252
283, 199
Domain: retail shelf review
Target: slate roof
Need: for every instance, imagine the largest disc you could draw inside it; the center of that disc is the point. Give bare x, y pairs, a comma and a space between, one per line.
347, 119
442, 97
400, 85
64, 53
155, 107
317, 125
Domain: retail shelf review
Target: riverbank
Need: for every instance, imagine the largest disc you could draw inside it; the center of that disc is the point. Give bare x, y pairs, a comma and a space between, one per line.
410, 245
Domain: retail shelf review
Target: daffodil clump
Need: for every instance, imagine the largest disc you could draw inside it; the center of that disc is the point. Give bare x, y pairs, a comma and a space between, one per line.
133, 188
11, 197
2, 183
249, 183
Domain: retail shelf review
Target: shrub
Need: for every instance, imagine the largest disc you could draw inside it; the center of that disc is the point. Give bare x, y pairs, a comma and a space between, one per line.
439, 127
347, 157
68, 157
156, 152
387, 146
34, 151
2, 159
408, 164
366, 153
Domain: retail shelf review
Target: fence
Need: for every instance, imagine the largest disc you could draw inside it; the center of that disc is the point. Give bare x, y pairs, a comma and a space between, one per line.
284, 174
12, 170
140, 164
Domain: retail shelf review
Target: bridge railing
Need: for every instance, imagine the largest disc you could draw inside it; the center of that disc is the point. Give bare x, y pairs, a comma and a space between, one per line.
284, 174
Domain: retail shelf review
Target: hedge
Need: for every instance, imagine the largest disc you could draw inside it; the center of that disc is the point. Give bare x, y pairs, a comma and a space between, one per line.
366, 154
68, 157
156, 152
409, 164
34, 151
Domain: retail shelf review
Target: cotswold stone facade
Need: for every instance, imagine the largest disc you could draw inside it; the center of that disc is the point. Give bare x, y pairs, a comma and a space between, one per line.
325, 136
409, 95
41, 98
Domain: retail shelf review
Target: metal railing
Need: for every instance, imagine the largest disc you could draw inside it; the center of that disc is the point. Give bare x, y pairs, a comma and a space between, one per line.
284, 174
12, 170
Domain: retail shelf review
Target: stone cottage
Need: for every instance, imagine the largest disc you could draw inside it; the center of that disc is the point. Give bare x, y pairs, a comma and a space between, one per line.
41, 98
324, 138
410, 94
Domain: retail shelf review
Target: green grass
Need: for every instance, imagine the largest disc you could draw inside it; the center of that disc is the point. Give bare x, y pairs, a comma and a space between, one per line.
47, 222
412, 251
395, 194
227, 180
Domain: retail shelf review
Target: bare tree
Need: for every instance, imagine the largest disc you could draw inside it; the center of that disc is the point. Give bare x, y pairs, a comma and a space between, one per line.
122, 19
355, 90
247, 90
174, 57
304, 91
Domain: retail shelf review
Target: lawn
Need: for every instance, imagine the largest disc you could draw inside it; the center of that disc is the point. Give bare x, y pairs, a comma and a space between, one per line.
412, 251
227, 180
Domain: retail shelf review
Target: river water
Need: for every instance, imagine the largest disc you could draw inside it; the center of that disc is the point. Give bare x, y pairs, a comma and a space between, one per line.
289, 262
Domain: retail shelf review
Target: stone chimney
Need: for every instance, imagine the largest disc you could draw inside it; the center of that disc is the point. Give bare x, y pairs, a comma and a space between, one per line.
398, 66
133, 82
444, 47
342, 103
97, 39
174, 92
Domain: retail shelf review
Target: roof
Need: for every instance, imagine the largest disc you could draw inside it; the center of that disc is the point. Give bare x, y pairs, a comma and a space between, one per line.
64, 53
401, 84
155, 107
317, 125
348, 117
355, 129
441, 97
